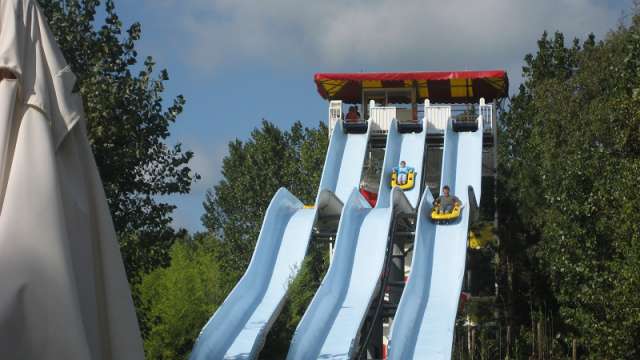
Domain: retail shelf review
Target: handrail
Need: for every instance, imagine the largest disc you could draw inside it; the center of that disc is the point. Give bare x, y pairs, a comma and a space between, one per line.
362, 350
335, 114
381, 117
486, 111
435, 117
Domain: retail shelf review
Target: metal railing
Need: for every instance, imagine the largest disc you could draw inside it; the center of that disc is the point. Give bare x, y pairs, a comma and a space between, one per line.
435, 117
486, 111
335, 114
381, 117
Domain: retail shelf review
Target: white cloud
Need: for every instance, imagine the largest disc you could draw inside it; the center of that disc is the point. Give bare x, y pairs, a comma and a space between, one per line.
207, 162
213, 36
375, 35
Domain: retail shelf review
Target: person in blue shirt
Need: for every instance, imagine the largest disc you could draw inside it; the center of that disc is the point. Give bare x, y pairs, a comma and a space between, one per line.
403, 171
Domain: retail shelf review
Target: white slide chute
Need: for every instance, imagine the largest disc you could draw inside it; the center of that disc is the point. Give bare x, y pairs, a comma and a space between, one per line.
424, 322
330, 326
239, 327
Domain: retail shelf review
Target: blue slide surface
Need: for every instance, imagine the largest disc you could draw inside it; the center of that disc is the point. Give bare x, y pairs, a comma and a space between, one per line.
424, 322
238, 328
330, 326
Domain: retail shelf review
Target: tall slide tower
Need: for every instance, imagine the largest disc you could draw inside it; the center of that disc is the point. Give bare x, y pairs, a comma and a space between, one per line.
395, 278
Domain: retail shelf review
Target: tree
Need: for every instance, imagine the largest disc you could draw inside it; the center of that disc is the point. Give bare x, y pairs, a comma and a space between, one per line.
302, 288
571, 159
178, 300
253, 171
127, 126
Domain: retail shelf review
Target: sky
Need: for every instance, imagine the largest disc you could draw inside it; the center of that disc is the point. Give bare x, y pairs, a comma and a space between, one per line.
240, 61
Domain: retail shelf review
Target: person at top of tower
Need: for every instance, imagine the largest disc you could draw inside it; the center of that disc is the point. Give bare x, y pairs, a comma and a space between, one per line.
403, 171
446, 202
352, 115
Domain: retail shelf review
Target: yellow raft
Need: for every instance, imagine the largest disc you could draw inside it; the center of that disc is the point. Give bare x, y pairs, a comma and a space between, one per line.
437, 215
406, 186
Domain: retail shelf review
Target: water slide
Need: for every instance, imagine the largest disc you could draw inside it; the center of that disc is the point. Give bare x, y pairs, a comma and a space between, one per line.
238, 328
329, 328
424, 322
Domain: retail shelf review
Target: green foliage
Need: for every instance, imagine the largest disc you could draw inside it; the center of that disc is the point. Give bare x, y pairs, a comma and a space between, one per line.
179, 299
570, 150
127, 125
253, 171
301, 290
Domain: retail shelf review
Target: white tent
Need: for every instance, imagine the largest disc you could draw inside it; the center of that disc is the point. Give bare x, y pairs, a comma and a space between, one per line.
63, 288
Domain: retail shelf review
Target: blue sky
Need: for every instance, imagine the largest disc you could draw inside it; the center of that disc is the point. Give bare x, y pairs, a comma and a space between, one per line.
238, 61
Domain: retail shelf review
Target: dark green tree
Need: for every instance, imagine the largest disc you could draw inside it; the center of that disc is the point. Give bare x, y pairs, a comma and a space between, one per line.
252, 173
128, 125
569, 202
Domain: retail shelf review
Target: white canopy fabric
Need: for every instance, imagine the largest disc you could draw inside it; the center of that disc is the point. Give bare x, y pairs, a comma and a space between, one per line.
63, 289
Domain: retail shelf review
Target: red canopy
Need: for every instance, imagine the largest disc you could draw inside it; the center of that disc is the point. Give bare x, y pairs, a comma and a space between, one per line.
438, 86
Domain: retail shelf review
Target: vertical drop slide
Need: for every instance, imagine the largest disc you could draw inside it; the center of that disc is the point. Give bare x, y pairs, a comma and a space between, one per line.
237, 330
330, 326
424, 322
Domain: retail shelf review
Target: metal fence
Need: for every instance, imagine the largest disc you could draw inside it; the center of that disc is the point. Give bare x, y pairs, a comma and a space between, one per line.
381, 117
435, 117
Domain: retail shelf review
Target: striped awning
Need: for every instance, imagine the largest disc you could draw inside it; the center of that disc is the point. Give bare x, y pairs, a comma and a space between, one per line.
438, 86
